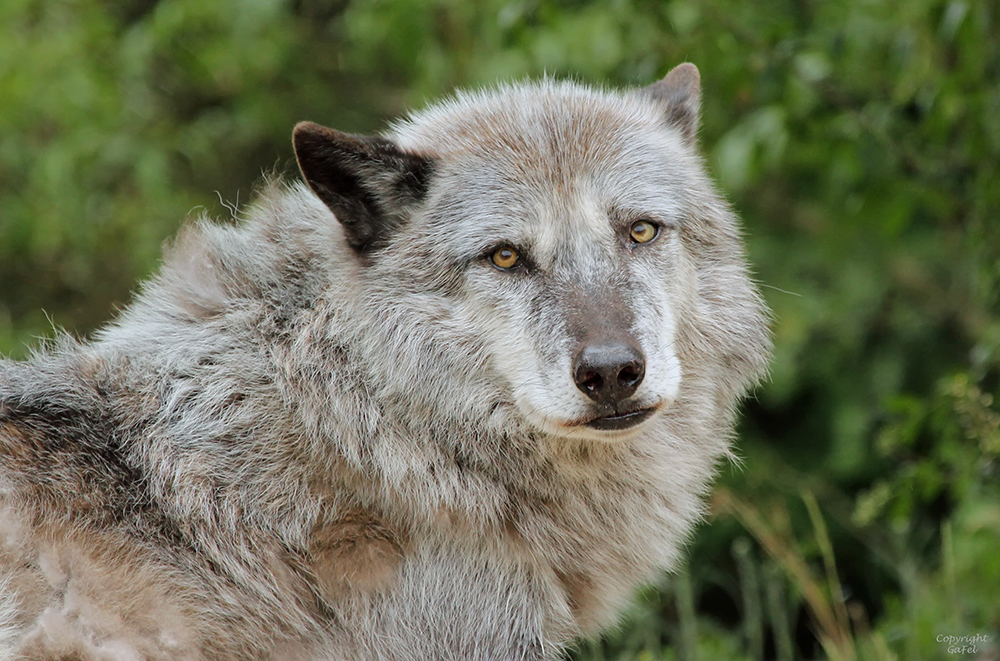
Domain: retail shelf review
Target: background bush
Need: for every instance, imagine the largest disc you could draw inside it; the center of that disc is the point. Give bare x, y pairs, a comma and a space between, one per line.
859, 140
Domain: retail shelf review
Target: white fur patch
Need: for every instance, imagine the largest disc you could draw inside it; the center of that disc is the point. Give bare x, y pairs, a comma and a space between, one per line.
8, 611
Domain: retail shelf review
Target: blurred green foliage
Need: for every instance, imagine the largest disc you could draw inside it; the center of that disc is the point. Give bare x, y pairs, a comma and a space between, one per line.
860, 140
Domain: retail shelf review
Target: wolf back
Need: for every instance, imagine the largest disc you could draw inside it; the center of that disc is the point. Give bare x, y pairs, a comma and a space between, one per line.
456, 396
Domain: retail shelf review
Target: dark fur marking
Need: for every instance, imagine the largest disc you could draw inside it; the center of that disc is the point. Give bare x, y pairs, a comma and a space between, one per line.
73, 460
366, 182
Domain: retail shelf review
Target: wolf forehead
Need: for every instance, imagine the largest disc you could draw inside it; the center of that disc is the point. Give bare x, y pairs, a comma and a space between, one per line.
549, 122
548, 141
520, 149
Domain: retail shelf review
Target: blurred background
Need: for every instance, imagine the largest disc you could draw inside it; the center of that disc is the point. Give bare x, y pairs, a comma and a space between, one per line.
859, 140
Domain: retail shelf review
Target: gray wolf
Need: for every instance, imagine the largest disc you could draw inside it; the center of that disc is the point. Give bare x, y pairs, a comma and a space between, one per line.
454, 397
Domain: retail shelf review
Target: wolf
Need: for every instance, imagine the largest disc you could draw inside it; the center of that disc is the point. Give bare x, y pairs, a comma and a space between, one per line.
456, 395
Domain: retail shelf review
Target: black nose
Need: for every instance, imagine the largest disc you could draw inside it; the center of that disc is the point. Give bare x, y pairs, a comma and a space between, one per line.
609, 373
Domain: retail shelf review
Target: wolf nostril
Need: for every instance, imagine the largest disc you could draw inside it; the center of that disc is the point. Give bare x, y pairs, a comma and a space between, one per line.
631, 375
592, 381
608, 373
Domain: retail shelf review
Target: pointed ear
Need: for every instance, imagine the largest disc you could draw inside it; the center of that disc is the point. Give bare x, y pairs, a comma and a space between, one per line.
368, 183
680, 94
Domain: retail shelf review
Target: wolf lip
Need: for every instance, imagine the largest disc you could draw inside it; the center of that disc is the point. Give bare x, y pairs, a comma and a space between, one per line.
623, 421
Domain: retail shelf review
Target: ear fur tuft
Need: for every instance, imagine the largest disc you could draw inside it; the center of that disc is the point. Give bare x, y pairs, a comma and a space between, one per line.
368, 183
680, 93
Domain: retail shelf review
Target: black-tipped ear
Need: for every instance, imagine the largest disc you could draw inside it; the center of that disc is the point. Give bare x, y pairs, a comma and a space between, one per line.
680, 93
368, 183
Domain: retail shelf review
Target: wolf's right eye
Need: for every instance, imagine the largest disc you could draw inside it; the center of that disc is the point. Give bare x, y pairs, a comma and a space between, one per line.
643, 231
505, 257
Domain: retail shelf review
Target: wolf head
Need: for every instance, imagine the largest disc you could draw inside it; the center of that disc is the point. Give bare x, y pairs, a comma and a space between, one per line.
562, 243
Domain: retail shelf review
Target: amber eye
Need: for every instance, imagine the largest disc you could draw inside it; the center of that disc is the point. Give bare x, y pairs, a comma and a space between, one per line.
643, 231
505, 257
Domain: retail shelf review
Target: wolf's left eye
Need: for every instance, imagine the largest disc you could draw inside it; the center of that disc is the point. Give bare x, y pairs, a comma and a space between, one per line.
505, 257
643, 231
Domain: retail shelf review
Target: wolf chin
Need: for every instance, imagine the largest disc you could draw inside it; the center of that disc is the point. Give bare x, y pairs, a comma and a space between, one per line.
455, 397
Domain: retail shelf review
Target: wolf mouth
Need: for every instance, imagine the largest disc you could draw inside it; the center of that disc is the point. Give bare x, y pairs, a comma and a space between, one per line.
621, 421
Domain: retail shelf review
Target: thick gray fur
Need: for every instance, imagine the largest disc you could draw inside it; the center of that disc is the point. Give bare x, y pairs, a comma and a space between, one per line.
294, 446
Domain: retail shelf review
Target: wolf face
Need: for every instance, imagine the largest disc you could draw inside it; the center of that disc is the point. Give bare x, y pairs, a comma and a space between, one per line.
546, 220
